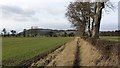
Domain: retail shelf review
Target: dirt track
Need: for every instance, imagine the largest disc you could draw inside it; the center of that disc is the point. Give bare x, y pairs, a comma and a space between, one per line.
63, 56
78, 53
67, 56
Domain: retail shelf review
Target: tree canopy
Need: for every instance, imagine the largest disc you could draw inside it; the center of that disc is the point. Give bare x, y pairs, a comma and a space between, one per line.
86, 16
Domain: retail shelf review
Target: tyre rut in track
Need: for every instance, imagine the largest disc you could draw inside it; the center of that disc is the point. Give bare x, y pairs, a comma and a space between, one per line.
77, 54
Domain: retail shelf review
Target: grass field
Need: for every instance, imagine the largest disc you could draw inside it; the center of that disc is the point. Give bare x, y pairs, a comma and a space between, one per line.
16, 50
111, 38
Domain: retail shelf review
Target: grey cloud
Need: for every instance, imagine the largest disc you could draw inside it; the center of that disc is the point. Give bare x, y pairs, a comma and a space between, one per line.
17, 13
55, 11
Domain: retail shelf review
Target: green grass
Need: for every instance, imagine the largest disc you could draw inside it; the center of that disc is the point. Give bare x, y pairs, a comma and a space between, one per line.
111, 38
16, 50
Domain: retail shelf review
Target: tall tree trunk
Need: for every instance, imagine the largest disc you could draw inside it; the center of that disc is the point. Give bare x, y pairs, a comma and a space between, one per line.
81, 30
82, 25
89, 23
89, 31
97, 20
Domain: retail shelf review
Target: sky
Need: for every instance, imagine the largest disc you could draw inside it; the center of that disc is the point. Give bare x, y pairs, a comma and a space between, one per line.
23, 14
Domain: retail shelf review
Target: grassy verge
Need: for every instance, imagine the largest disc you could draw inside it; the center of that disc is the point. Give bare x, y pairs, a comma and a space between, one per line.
16, 50
111, 38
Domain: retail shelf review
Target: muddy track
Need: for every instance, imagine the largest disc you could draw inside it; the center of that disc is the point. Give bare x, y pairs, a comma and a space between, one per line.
66, 55
80, 52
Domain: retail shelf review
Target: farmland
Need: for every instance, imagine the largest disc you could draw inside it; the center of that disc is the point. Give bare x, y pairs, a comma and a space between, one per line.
111, 38
16, 50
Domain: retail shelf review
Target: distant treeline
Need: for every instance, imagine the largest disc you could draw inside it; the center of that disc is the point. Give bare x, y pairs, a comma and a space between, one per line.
38, 32
110, 33
50, 33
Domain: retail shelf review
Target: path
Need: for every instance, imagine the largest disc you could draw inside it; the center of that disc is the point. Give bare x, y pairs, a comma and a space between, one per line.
76, 53
64, 56
67, 56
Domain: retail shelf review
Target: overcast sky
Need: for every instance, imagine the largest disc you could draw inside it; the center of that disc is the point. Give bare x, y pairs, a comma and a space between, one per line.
20, 14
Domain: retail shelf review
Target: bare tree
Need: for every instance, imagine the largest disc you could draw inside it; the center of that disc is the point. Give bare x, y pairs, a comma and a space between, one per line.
97, 19
86, 16
24, 32
77, 14
4, 31
13, 32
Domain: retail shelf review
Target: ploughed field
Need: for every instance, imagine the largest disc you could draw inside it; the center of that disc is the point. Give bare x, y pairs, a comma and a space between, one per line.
110, 38
17, 50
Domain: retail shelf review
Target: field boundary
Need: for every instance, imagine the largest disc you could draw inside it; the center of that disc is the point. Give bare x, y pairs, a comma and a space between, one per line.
27, 63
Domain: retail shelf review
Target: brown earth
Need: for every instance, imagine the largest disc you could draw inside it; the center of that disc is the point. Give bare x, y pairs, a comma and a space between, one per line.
83, 52
67, 56
98, 55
